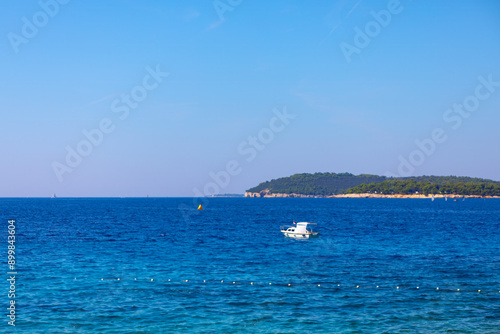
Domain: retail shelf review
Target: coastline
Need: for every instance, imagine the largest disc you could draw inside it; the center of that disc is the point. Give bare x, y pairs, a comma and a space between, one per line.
266, 194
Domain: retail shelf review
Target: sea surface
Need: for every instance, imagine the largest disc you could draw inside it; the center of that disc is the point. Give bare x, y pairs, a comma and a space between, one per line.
158, 265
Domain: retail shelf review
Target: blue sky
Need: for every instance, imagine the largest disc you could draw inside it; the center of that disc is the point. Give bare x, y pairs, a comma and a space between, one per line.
233, 66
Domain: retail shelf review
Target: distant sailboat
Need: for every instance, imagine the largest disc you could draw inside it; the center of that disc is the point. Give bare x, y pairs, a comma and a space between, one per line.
53, 195
433, 198
445, 197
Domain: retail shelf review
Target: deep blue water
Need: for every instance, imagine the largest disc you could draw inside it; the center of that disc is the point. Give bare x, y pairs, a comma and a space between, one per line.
170, 264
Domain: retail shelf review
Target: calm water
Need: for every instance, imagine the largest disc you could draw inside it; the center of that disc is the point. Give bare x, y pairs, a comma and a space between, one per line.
388, 243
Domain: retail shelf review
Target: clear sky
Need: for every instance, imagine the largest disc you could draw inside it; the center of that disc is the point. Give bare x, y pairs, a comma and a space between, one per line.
159, 98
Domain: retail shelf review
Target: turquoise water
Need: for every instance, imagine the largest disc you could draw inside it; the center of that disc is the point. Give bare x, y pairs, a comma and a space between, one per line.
144, 266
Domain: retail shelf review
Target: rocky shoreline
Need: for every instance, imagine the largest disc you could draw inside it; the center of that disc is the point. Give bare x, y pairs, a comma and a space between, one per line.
267, 194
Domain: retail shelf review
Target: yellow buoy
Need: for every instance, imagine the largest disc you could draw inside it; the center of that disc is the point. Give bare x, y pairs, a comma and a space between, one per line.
200, 207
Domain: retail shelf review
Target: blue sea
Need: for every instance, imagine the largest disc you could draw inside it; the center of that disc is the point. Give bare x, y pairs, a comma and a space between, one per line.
158, 265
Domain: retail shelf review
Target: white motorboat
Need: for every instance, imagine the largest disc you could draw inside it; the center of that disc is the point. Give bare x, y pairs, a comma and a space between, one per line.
300, 230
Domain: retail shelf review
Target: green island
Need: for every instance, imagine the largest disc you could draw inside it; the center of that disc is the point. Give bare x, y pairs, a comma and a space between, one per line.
367, 185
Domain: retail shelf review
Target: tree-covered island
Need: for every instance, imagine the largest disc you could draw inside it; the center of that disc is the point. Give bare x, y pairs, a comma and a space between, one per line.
366, 185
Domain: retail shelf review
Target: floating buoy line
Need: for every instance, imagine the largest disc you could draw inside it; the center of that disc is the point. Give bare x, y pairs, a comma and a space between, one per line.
323, 285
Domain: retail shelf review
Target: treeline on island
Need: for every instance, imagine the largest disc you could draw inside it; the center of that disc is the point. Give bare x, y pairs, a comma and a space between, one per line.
328, 184
408, 187
319, 184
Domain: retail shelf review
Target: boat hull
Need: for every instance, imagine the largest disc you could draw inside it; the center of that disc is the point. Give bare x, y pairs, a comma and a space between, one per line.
300, 235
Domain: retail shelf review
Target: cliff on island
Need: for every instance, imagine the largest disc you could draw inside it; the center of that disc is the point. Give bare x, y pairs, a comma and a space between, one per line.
346, 185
